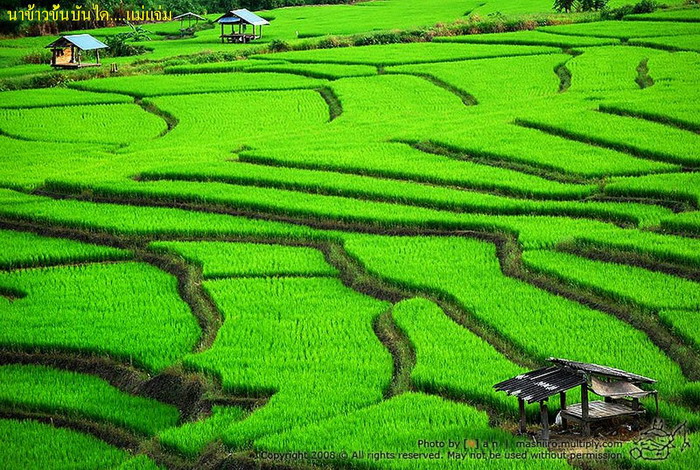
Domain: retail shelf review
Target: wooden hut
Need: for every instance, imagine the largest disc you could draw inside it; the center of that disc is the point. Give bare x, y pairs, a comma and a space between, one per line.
620, 390
239, 21
189, 17
67, 51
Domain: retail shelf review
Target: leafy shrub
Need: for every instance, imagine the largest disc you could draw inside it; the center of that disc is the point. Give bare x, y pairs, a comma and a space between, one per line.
48, 80
118, 46
40, 56
645, 6
333, 41
279, 46
579, 5
391, 37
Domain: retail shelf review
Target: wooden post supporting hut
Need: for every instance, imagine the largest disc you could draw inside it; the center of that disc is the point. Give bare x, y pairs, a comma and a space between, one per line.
67, 51
619, 389
241, 19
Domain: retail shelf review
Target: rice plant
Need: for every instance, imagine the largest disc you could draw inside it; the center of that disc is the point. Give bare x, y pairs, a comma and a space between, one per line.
400, 161
687, 42
529, 38
447, 355
353, 199
130, 311
681, 250
134, 220
33, 446
222, 259
308, 342
190, 438
681, 187
160, 85
649, 289
54, 391
624, 29
545, 138
24, 249
57, 97
395, 54
322, 71
650, 140
537, 321
396, 427
687, 222
119, 124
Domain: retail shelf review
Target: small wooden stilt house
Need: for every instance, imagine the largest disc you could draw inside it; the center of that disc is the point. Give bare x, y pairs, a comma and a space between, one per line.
619, 389
239, 21
67, 51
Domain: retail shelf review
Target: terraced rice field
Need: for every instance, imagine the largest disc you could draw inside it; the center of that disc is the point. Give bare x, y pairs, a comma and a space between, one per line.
319, 258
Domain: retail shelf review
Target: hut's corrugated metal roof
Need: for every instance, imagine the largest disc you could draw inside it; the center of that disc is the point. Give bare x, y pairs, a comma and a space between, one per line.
228, 20
606, 371
244, 15
250, 17
539, 384
81, 41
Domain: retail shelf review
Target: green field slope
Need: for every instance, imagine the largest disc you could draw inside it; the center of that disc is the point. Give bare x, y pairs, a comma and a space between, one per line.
323, 247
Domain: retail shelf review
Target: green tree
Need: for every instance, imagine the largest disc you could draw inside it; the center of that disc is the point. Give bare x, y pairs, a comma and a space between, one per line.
591, 5
564, 5
579, 5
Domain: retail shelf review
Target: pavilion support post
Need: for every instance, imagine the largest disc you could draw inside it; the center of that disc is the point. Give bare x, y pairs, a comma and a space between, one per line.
562, 405
584, 410
222, 32
521, 408
544, 415
97, 55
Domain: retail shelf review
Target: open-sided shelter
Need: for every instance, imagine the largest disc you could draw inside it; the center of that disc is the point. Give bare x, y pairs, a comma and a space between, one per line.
67, 51
240, 20
189, 17
620, 390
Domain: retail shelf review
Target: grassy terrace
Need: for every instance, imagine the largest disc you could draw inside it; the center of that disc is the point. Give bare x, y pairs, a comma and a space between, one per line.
223, 250
42, 388
221, 259
59, 448
159, 330
308, 341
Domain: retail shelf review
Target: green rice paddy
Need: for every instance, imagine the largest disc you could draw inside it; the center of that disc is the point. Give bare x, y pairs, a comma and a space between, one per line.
331, 242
